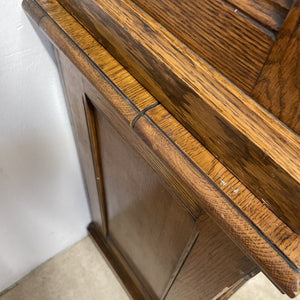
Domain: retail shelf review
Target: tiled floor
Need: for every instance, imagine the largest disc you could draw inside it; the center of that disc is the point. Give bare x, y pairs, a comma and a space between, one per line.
81, 273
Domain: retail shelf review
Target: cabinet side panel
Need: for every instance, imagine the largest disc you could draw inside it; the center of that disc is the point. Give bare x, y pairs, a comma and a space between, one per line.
145, 223
278, 86
72, 81
213, 267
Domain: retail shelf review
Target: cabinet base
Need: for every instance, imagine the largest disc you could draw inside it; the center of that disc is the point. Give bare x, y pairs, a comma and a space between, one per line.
129, 284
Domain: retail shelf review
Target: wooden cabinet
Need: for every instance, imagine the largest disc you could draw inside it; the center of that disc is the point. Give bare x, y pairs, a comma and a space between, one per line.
143, 220
146, 224
255, 146
169, 216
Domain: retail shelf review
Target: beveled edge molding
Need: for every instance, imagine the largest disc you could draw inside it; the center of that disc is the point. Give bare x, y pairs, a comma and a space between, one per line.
131, 284
252, 143
277, 87
216, 204
219, 207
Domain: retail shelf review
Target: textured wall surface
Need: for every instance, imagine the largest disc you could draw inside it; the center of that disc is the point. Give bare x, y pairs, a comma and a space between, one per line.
43, 207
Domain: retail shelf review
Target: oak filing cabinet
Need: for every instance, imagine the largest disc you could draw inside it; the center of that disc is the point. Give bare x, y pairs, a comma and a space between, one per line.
186, 127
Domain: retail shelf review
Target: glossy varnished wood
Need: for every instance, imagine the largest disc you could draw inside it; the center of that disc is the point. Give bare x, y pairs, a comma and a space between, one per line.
223, 211
182, 162
169, 178
255, 146
278, 86
87, 51
150, 227
273, 228
136, 198
269, 13
220, 33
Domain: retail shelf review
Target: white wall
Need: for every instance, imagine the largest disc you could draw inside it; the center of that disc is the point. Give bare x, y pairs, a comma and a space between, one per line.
43, 208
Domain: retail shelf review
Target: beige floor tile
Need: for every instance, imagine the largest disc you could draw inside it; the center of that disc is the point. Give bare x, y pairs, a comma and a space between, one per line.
79, 273
259, 288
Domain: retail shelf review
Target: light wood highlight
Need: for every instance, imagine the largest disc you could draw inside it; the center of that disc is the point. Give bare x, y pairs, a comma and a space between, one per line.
267, 12
278, 86
222, 34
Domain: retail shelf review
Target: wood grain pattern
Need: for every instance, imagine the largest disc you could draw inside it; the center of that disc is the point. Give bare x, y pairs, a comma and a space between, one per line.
147, 225
254, 238
220, 33
145, 222
74, 101
272, 227
231, 42
278, 86
133, 204
94, 54
209, 271
254, 145
168, 177
222, 210
268, 13
127, 280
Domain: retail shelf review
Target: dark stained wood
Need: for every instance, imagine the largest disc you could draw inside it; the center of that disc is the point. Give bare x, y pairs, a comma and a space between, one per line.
131, 285
284, 3
278, 86
94, 145
73, 91
170, 178
220, 33
222, 210
145, 223
273, 228
210, 271
230, 42
172, 158
267, 12
253, 144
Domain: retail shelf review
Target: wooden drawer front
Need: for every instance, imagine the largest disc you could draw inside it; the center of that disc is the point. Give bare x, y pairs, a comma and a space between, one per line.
145, 223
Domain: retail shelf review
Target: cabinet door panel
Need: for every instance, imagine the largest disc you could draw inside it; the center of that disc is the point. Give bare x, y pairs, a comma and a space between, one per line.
146, 222
215, 266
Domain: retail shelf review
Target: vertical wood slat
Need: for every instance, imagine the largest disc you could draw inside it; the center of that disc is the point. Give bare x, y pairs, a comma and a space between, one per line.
94, 146
278, 86
74, 92
268, 13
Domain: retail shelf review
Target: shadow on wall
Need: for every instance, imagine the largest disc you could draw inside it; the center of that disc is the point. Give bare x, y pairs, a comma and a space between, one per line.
43, 205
